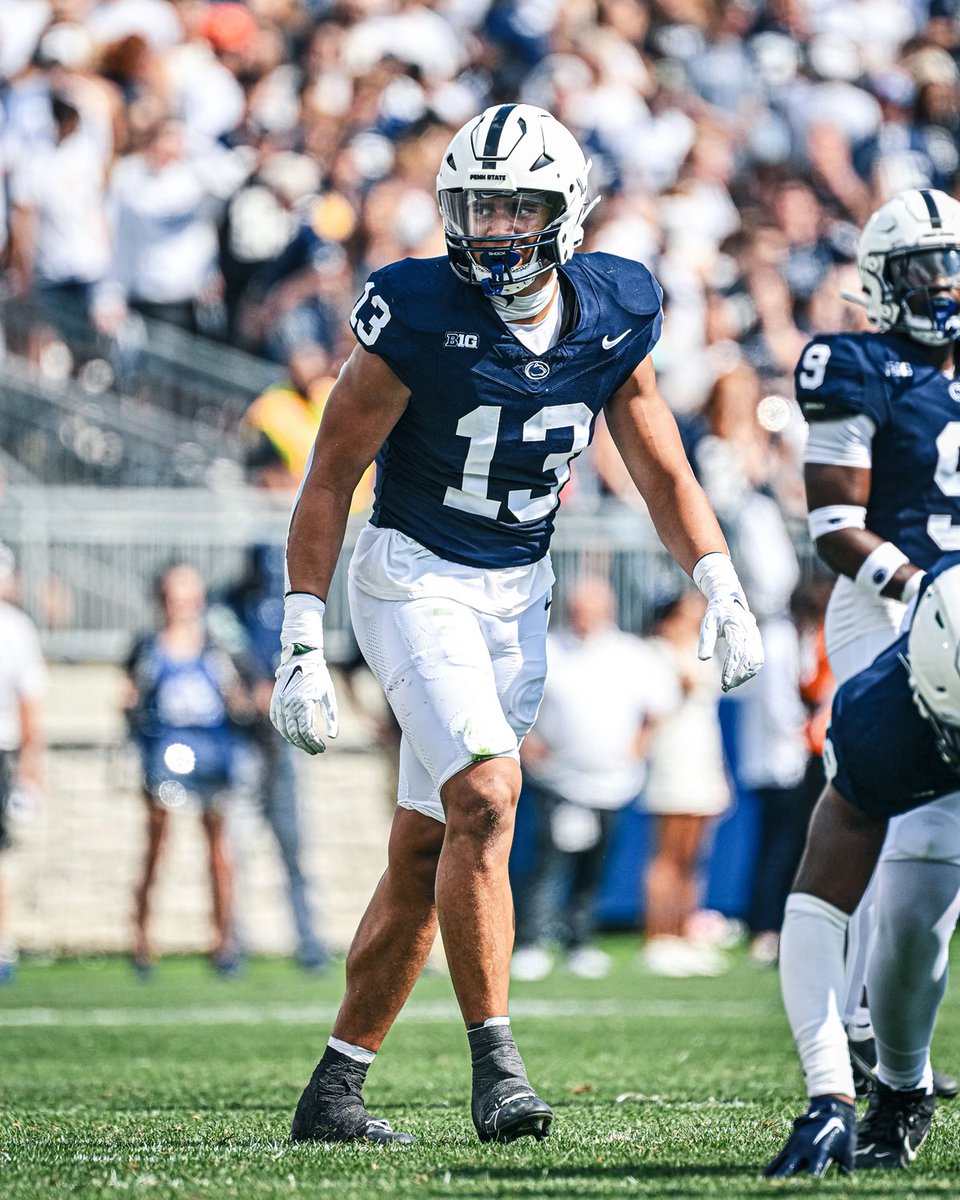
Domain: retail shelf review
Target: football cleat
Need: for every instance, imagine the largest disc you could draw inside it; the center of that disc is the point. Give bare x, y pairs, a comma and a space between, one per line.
331, 1109
825, 1134
510, 1110
893, 1128
504, 1106
863, 1060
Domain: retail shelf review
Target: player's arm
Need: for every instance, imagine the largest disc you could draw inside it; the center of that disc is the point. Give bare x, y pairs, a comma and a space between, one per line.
645, 432
364, 405
646, 435
837, 498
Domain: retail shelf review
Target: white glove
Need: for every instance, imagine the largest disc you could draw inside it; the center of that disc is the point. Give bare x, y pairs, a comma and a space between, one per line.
303, 680
728, 616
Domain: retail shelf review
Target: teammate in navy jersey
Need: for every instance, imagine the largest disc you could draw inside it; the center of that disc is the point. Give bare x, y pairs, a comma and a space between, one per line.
893, 747
883, 486
474, 388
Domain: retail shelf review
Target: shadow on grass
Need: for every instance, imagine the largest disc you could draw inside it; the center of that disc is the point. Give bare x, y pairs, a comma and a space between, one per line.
679, 1182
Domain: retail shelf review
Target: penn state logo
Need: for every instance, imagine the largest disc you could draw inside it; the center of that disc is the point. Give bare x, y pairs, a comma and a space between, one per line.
536, 370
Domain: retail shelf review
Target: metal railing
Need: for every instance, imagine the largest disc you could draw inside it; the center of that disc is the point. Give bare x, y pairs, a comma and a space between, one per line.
89, 556
59, 433
176, 372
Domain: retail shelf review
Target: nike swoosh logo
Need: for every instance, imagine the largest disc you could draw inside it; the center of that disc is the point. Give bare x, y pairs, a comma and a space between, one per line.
833, 1125
297, 670
608, 342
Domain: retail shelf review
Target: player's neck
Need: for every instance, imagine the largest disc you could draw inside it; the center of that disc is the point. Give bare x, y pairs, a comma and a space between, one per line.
531, 305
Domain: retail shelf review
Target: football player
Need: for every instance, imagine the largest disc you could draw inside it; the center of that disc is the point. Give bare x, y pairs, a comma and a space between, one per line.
883, 487
893, 747
478, 377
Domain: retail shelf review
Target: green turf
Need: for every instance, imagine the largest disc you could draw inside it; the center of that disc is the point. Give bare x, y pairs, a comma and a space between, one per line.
184, 1087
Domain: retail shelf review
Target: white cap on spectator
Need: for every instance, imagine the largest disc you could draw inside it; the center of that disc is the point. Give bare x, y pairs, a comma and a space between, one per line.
66, 45
292, 176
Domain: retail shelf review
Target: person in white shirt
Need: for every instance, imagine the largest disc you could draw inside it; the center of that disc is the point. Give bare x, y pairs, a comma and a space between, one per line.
686, 790
22, 677
59, 238
583, 763
163, 206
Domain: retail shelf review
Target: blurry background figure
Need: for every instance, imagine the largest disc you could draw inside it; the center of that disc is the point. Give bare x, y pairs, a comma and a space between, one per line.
163, 205
739, 461
256, 603
59, 238
22, 678
583, 762
279, 429
686, 790
189, 710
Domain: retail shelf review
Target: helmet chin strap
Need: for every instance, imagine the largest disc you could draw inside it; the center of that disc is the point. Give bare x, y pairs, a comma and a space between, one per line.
520, 307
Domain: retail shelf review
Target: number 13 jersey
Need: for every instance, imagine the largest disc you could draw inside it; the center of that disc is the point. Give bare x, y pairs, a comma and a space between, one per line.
473, 469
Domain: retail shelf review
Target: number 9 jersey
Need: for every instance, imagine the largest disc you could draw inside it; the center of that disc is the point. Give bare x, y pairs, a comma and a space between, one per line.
474, 468
914, 411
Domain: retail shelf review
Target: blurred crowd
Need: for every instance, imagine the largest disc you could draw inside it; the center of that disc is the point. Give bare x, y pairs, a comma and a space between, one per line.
237, 169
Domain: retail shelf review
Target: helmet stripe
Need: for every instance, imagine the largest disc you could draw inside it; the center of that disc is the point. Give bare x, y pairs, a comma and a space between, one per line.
492, 143
935, 219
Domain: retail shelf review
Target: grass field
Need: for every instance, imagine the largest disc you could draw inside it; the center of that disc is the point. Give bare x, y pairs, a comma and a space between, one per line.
184, 1087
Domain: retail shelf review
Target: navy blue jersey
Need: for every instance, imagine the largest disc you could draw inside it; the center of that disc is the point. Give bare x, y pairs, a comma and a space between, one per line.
915, 480
474, 467
881, 754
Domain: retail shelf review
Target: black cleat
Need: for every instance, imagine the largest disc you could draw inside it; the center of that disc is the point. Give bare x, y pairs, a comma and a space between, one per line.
893, 1128
863, 1060
331, 1108
520, 1113
824, 1135
504, 1106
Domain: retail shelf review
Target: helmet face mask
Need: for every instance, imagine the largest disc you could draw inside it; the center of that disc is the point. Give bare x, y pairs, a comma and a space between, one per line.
926, 285
909, 264
512, 193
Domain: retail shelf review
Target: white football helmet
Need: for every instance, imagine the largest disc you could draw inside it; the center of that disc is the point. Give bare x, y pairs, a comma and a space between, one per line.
934, 650
909, 262
512, 189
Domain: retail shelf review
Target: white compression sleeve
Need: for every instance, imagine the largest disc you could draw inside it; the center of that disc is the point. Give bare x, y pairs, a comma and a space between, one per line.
917, 907
811, 981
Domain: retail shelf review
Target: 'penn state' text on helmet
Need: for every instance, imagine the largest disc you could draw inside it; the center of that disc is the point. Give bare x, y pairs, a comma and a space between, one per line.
909, 263
934, 650
512, 190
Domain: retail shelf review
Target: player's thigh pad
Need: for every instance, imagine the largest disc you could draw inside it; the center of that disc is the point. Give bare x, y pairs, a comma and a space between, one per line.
930, 833
434, 664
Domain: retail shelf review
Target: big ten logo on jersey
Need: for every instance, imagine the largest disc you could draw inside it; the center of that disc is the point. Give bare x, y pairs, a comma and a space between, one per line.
376, 316
461, 341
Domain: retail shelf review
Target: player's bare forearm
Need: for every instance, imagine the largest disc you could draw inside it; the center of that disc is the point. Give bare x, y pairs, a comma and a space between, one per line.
366, 402
846, 550
645, 432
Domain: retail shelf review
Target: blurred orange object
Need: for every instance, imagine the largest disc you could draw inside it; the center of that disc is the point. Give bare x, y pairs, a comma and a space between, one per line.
229, 28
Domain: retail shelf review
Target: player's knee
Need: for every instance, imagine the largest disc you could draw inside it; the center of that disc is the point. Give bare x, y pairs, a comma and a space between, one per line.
481, 806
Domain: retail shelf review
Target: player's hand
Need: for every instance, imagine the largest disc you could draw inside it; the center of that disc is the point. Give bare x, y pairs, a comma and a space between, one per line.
302, 681
825, 1134
728, 617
